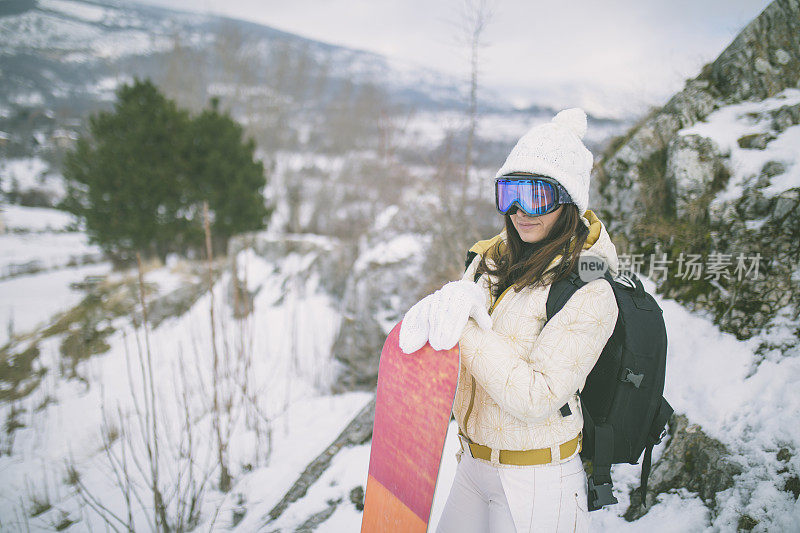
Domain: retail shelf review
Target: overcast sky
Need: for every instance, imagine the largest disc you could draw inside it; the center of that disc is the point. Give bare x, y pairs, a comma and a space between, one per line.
617, 52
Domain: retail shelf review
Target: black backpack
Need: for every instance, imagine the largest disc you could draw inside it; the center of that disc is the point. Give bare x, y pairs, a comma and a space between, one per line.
624, 410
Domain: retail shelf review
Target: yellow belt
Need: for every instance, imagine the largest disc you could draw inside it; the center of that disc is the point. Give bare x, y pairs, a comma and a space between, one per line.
540, 456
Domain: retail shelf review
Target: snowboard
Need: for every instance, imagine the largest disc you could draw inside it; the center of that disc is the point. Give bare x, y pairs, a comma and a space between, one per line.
412, 413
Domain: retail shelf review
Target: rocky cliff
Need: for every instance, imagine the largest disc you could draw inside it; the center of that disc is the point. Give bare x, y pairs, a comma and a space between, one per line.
713, 176
666, 187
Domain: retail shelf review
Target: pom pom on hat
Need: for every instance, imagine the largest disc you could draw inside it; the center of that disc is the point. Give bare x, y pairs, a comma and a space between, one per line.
555, 149
574, 119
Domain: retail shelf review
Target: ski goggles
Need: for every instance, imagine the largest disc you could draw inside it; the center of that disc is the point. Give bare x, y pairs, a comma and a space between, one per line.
535, 195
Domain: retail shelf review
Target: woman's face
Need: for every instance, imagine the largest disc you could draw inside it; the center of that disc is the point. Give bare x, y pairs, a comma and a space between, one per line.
534, 229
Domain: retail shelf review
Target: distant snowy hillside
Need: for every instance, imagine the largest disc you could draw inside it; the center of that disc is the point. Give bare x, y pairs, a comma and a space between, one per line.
69, 54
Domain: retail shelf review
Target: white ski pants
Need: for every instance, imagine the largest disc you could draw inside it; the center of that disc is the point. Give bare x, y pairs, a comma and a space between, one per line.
541, 498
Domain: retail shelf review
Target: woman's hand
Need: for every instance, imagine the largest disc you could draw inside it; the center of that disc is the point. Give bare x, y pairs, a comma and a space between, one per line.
440, 317
414, 328
450, 310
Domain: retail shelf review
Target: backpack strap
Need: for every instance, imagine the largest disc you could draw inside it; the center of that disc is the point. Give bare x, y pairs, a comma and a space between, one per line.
481, 247
654, 435
601, 439
600, 483
561, 291
470, 256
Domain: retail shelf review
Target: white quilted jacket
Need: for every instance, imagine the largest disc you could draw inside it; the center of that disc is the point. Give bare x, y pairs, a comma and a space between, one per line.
515, 377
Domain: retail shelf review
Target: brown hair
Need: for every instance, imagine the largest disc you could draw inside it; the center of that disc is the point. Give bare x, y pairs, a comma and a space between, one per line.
523, 264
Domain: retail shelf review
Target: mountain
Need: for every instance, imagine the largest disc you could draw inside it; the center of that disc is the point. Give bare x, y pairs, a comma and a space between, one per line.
58, 50
67, 56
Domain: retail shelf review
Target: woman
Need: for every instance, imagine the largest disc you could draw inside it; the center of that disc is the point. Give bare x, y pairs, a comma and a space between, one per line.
518, 467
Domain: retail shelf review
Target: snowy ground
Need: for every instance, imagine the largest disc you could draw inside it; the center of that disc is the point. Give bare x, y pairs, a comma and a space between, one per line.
39, 259
25, 253
36, 239
275, 428
17, 218
29, 301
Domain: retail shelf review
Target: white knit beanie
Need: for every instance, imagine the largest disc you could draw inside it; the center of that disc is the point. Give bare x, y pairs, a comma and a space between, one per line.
555, 149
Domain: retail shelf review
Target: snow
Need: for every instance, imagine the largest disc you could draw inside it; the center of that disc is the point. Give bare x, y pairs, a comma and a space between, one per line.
30, 301
85, 31
711, 377
25, 252
347, 471
106, 87
131, 42
680, 511
30, 173
285, 366
389, 252
27, 172
27, 99
167, 279
18, 218
87, 12
429, 128
384, 217
728, 124
307, 436
39, 30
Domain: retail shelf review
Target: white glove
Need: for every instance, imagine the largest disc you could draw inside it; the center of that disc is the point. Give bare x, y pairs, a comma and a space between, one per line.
450, 310
414, 328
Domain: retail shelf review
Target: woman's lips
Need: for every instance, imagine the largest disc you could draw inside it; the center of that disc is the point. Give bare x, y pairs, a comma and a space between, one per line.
524, 225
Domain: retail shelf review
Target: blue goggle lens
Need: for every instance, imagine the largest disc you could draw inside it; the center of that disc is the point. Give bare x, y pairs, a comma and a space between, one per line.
535, 197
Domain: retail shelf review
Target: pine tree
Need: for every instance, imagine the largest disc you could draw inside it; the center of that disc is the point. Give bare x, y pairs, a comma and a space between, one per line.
227, 173
139, 178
